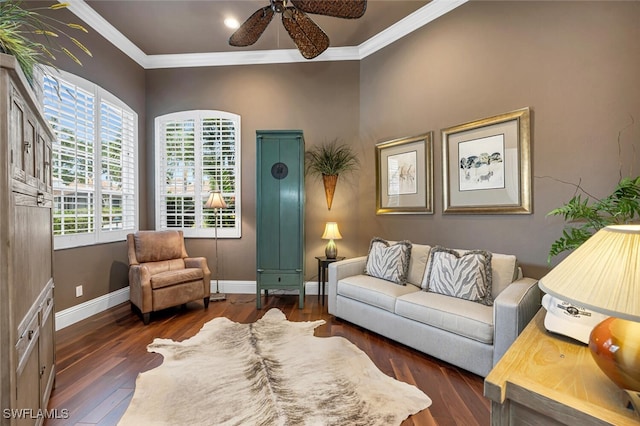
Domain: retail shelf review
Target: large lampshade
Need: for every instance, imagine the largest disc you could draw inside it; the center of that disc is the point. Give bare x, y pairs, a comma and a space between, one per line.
603, 274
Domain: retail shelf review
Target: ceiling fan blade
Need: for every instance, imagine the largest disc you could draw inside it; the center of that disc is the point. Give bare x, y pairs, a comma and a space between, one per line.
349, 9
306, 34
251, 30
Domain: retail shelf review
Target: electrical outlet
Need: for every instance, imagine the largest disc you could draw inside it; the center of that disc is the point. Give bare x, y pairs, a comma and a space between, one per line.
78, 291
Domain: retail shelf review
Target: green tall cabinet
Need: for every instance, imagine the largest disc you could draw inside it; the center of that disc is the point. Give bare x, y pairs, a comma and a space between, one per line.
280, 212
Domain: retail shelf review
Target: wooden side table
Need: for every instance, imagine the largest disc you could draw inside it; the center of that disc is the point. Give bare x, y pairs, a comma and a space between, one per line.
323, 264
549, 379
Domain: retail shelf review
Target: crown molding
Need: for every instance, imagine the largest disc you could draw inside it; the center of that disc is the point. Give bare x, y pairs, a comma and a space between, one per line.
92, 18
421, 17
407, 25
252, 57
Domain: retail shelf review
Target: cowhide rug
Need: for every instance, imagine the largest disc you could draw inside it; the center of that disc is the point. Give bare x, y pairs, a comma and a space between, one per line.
271, 372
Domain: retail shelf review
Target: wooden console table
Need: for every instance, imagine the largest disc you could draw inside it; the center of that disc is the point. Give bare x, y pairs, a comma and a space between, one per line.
549, 379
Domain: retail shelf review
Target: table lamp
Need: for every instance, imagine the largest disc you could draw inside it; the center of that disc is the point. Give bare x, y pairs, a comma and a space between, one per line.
216, 202
603, 274
331, 233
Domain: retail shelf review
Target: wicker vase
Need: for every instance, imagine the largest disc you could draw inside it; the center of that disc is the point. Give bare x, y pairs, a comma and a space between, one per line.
329, 187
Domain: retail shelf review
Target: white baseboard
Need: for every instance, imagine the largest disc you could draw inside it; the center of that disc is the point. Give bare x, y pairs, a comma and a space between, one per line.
92, 307
249, 287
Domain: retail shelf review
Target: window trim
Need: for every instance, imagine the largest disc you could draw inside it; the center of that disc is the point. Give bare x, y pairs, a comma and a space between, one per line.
199, 115
99, 236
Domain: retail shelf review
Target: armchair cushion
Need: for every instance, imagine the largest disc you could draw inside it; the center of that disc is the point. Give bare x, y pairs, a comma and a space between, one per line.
164, 279
154, 246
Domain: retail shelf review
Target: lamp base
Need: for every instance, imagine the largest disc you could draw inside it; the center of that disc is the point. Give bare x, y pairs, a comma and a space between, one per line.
217, 297
331, 251
615, 346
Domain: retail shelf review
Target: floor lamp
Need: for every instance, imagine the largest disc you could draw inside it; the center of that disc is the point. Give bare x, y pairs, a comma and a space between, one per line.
216, 202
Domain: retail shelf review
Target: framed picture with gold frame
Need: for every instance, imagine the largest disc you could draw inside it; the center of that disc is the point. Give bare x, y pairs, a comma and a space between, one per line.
404, 175
486, 165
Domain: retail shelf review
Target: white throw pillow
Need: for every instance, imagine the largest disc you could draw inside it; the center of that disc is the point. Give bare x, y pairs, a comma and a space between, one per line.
388, 262
465, 276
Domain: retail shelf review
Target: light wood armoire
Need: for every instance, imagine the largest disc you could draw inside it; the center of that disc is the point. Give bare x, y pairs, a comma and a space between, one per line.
280, 212
27, 347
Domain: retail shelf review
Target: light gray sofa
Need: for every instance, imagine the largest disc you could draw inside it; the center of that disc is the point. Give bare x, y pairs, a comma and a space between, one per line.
467, 334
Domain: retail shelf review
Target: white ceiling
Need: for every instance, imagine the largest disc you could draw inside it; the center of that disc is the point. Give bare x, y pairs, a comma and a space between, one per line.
190, 33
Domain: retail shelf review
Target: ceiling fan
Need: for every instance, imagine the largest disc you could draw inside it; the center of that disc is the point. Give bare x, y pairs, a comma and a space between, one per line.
306, 34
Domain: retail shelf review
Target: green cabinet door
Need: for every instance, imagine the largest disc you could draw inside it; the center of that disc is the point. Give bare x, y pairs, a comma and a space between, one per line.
280, 212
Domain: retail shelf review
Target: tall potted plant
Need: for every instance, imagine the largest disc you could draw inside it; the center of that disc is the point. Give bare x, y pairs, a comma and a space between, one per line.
585, 218
328, 160
33, 38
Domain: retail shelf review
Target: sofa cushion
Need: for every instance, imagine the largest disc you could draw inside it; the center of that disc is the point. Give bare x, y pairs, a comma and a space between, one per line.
504, 270
459, 316
418, 263
466, 276
388, 262
168, 278
373, 291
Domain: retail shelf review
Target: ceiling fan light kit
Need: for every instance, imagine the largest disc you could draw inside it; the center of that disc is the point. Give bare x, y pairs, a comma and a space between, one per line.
306, 34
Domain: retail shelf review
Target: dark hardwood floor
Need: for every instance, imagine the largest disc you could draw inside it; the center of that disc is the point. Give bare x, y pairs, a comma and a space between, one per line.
98, 360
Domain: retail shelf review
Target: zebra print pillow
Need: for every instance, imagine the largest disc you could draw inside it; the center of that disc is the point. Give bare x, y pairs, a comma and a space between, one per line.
466, 276
388, 262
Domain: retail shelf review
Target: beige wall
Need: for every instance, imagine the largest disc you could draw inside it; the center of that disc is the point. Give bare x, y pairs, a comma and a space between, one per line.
100, 269
576, 64
321, 99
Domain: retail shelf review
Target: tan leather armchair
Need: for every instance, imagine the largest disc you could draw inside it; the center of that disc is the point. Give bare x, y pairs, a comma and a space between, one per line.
162, 275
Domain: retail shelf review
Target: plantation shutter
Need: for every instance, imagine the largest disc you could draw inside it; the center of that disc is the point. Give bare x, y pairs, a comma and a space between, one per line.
177, 168
118, 168
70, 111
196, 154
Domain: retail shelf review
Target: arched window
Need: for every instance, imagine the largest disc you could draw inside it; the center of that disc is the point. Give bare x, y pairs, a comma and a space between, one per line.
95, 158
198, 152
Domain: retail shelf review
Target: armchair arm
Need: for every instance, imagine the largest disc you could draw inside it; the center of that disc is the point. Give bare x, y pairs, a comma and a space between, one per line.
514, 307
339, 270
200, 262
140, 287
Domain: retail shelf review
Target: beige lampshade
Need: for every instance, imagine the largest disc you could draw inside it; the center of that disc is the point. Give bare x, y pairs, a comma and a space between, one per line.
215, 201
331, 232
602, 274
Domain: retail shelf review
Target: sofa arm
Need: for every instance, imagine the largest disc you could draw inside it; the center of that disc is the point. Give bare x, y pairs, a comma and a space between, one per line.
514, 307
339, 270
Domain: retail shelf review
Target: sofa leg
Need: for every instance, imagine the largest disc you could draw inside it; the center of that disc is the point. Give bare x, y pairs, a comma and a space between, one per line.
206, 302
146, 318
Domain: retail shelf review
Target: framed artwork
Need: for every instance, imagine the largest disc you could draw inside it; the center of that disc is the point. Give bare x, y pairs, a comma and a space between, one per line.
486, 165
404, 175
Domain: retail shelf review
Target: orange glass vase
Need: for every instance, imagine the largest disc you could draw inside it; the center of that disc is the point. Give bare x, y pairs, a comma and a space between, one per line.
615, 346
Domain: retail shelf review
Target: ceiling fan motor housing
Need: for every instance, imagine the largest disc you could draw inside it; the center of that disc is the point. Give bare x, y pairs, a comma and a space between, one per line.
278, 6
